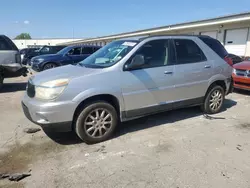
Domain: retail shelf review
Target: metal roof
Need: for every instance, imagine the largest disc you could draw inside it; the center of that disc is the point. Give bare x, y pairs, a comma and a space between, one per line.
205, 22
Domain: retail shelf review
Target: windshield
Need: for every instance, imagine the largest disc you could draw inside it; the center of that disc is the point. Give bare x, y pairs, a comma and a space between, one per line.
64, 50
109, 54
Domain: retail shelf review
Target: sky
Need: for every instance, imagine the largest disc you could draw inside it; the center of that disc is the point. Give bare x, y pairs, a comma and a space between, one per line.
92, 18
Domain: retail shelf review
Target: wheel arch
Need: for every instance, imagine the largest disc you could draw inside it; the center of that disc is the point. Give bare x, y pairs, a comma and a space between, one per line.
53, 62
221, 83
111, 99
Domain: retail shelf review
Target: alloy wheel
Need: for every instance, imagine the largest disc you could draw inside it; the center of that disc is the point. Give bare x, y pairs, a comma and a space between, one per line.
98, 123
215, 100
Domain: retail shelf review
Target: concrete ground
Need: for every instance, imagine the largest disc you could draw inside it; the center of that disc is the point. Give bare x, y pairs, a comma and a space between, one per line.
177, 149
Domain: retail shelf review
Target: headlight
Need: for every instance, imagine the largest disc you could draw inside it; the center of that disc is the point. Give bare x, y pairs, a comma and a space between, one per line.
234, 71
51, 90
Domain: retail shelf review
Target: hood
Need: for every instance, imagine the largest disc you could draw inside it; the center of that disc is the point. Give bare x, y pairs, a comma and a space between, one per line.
245, 65
67, 72
48, 56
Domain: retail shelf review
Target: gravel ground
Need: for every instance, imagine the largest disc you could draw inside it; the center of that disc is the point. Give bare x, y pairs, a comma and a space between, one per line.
178, 149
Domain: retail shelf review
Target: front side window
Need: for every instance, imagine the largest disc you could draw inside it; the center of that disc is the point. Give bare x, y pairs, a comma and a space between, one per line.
187, 51
156, 53
75, 51
109, 54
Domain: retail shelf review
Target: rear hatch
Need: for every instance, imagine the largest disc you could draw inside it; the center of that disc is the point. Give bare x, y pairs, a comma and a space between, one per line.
10, 58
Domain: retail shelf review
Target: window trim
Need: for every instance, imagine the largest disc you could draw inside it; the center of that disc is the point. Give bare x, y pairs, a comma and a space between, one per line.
175, 52
169, 52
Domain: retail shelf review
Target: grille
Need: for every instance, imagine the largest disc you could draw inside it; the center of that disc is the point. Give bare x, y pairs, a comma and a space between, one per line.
31, 90
245, 73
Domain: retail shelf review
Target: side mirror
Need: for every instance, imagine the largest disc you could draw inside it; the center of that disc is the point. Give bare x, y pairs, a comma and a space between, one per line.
136, 62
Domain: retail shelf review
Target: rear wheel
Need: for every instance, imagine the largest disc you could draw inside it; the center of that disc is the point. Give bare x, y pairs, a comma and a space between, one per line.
49, 66
96, 122
214, 100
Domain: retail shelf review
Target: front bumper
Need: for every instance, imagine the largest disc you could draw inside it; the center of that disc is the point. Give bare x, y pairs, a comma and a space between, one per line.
57, 116
241, 82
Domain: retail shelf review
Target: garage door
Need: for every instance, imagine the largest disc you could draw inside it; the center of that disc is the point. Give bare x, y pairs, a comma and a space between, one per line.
236, 40
212, 34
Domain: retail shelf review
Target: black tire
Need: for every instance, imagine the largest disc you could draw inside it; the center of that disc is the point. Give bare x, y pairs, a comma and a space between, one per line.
49, 66
82, 120
1, 81
210, 108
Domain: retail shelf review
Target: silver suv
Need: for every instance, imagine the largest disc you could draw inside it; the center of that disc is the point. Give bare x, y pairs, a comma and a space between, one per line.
128, 79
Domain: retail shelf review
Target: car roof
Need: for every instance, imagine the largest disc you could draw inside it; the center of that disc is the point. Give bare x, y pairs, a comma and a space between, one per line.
85, 46
175, 35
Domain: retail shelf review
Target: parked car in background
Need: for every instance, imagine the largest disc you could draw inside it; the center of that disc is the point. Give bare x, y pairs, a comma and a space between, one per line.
241, 75
10, 60
128, 79
68, 55
236, 59
25, 51
42, 51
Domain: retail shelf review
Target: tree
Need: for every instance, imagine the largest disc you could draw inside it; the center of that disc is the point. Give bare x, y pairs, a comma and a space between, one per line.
23, 36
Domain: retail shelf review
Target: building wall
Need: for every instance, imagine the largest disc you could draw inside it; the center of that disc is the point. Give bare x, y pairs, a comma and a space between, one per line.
221, 32
40, 42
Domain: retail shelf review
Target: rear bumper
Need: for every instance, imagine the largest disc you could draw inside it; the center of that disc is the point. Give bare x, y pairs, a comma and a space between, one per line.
14, 71
241, 82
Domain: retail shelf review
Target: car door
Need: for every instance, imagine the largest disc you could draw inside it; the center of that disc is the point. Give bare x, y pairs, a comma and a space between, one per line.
74, 55
149, 88
192, 72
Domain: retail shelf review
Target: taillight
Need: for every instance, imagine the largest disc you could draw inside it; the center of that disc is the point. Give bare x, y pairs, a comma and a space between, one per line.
229, 61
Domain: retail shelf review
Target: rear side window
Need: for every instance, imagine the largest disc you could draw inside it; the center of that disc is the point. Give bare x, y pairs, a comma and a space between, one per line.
4, 45
215, 45
187, 51
95, 49
87, 50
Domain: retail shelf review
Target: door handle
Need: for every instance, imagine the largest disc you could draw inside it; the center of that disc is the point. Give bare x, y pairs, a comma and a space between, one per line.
207, 66
168, 72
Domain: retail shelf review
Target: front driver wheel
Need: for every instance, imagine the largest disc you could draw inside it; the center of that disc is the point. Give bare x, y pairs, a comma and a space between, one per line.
49, 66
214, 100
96, 122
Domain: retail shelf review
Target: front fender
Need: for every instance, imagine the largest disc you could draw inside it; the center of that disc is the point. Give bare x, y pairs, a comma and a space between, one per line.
94, 92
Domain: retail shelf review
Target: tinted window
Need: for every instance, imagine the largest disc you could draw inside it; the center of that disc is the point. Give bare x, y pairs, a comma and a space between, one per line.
187, 51
95, 49
45, 49
215, 45
156, 53
87, 50
4, 44
75, 51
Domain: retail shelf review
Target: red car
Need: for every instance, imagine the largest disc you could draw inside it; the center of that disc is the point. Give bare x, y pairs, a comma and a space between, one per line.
241, 75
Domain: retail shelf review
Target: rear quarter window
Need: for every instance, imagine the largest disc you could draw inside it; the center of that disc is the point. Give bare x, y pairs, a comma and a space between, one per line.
215, 45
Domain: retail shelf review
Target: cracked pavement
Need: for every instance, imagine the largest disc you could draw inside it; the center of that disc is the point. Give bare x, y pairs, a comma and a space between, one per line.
178, 149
